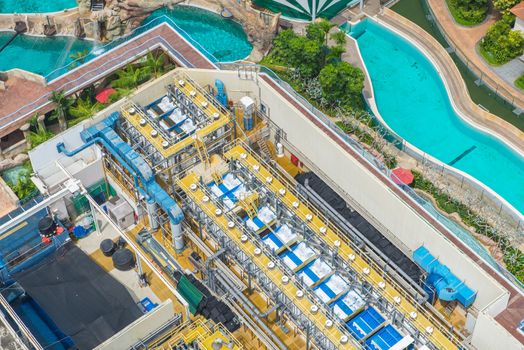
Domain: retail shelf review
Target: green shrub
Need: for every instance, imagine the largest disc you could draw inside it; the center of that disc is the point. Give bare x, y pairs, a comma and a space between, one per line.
520, 82
501, 44
513, 257
341, 83
468, 12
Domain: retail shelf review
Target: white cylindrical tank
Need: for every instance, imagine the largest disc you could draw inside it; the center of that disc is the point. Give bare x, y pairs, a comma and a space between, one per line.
177, 236
280, 150
248, 105
151, 213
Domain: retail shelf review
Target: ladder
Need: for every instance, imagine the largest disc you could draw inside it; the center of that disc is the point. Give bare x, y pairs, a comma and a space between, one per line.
202, 151
264, 150
216, 177
249, 204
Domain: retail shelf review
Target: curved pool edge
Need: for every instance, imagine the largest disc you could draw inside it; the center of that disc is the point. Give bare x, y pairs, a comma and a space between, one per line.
216, 11
38, 13
514, 212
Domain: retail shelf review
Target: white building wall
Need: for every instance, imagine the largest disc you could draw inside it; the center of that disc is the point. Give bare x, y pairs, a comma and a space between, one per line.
490, 335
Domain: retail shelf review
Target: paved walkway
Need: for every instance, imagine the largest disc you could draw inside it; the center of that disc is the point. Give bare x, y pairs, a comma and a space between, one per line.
450, 73
23, 99
466, 39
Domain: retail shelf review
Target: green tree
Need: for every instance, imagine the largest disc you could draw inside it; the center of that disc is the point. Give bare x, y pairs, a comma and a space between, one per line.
341, 83
468, 12
62, 104
501, 43
319, 31
339, 38
307, 56
83, 109
335, 54
78, 58
130, 77
155, 64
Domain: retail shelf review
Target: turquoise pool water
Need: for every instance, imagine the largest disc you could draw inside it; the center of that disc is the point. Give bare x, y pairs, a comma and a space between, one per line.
35, 6
222, 38
39, 55
412, 99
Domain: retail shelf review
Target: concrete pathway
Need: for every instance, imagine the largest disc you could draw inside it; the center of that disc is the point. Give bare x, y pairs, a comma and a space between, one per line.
466, 39
511, 70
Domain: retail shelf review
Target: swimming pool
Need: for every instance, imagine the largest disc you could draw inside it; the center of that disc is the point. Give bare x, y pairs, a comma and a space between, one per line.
35, 6
413, 101
222, 38
39, 55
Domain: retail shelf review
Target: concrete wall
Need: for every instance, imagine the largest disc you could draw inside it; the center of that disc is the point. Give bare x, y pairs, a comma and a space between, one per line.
139, 329
489, 334
369, 191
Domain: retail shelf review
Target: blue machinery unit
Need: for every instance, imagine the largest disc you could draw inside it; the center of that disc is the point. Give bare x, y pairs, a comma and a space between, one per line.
221, 93
448, 286
104, 134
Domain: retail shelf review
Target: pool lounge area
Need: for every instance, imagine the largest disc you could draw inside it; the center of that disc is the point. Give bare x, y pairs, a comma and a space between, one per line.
398, 68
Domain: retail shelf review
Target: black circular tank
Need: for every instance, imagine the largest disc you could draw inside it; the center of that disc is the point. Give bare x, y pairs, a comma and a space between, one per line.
123, 259
107, 247
46, 227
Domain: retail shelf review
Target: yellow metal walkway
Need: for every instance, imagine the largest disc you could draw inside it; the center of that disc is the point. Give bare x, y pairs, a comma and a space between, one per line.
218, 118
434, 331
262, 261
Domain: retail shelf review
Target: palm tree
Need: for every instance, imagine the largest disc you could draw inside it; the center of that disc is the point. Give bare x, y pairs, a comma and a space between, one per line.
325, 26
129, 77
62, 104
83, 108
339, 38
155, 64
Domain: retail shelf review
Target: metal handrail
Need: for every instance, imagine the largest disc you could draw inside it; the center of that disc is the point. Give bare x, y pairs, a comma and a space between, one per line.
342, 237
428, 207
256, 241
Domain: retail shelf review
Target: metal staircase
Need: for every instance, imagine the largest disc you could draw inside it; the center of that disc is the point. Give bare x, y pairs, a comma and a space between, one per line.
202, 151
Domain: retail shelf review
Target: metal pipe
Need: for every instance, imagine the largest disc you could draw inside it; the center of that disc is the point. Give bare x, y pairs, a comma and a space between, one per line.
252, 309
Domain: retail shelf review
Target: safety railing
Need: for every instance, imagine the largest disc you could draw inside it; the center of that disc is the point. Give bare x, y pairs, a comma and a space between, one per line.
99, 50
453, 227
437, 323
267, 252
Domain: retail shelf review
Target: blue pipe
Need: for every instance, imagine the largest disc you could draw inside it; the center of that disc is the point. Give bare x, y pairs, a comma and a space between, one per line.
60, 147
104, 134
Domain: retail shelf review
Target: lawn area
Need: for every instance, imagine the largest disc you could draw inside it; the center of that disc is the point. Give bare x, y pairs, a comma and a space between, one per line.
467, 13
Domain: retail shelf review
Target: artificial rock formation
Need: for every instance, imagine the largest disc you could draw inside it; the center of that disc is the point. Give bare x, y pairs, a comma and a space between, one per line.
259, 29
119, 16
